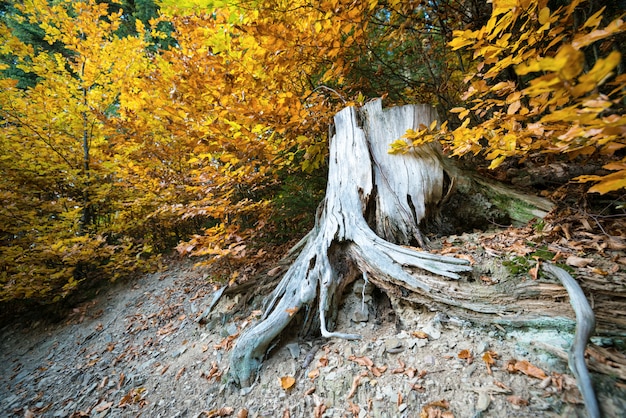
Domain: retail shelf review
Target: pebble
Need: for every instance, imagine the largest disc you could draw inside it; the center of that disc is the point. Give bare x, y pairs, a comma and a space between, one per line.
361, 314
179, 352
482, 347
294, 350
483, 402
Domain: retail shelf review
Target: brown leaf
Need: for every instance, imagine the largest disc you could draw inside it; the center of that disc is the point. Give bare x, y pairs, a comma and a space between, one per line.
355, 384
420, 334
222, 412
179, 373
466, 355
363, 361
353, 409
517, 400
292, 311
313, 374
487, 280
103, 406
572, 260
319, 410
617, 244
378, 371
528, 369
441, 404
243, 413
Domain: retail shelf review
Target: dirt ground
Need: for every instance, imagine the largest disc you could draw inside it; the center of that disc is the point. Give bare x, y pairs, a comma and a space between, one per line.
137, 350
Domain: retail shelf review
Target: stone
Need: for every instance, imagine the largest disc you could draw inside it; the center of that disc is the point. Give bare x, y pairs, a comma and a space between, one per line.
294, 350
483, 402
361, 313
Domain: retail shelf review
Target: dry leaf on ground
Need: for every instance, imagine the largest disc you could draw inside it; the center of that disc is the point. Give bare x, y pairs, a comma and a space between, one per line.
527, 368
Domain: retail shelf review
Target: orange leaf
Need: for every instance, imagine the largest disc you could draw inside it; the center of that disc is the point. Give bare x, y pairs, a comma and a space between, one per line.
528, 369
489, 359
363, 361
287, 382
420, 334
516, 400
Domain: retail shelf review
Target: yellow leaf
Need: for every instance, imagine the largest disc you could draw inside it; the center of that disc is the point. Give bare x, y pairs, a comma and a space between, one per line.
544, 15
287, 382
609, 183
582, 40
514, 107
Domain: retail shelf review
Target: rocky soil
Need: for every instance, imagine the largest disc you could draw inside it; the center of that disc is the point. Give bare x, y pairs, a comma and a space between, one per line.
137, 350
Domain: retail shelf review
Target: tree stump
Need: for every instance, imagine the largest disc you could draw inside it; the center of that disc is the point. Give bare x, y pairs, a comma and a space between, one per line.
372, 210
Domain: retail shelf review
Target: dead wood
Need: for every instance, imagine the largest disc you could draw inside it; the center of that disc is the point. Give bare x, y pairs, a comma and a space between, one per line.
366, 228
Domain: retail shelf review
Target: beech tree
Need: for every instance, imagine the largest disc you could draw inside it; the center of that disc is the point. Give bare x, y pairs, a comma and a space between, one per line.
64, 209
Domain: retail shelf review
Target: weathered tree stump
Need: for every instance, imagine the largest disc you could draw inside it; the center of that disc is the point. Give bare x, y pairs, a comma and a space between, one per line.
368, 190
366, 227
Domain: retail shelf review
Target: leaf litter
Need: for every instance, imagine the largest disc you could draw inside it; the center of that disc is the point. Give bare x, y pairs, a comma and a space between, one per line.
137, 335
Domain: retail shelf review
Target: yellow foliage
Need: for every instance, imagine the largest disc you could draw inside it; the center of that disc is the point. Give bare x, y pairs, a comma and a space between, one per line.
558, 103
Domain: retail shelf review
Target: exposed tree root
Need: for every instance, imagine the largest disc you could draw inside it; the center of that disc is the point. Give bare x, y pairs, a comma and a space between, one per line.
585, 325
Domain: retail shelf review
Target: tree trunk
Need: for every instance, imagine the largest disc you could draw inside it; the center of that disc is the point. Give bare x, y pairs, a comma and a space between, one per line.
370, 216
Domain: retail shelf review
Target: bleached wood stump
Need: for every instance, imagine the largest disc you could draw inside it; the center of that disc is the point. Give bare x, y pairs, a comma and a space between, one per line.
373, 205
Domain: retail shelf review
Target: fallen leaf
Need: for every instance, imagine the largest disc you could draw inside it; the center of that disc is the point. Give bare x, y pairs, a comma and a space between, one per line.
517, 400
313, 374
292, 311
441, 404
103, 406
466, 355
434, 410
527, 368
377, 371
572, 260
355, 384
420, 334
286, 414
617, 244
287, 382
180, 373
487, 280
319, 410
222, 412
353, 409
489, 359
363, 361
243, 413
467, 257
134, 396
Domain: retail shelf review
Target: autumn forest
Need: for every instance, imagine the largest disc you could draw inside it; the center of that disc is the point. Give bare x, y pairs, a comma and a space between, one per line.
131, 129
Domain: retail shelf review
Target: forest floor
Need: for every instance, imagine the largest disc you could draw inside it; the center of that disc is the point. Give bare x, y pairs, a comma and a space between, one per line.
137, 350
